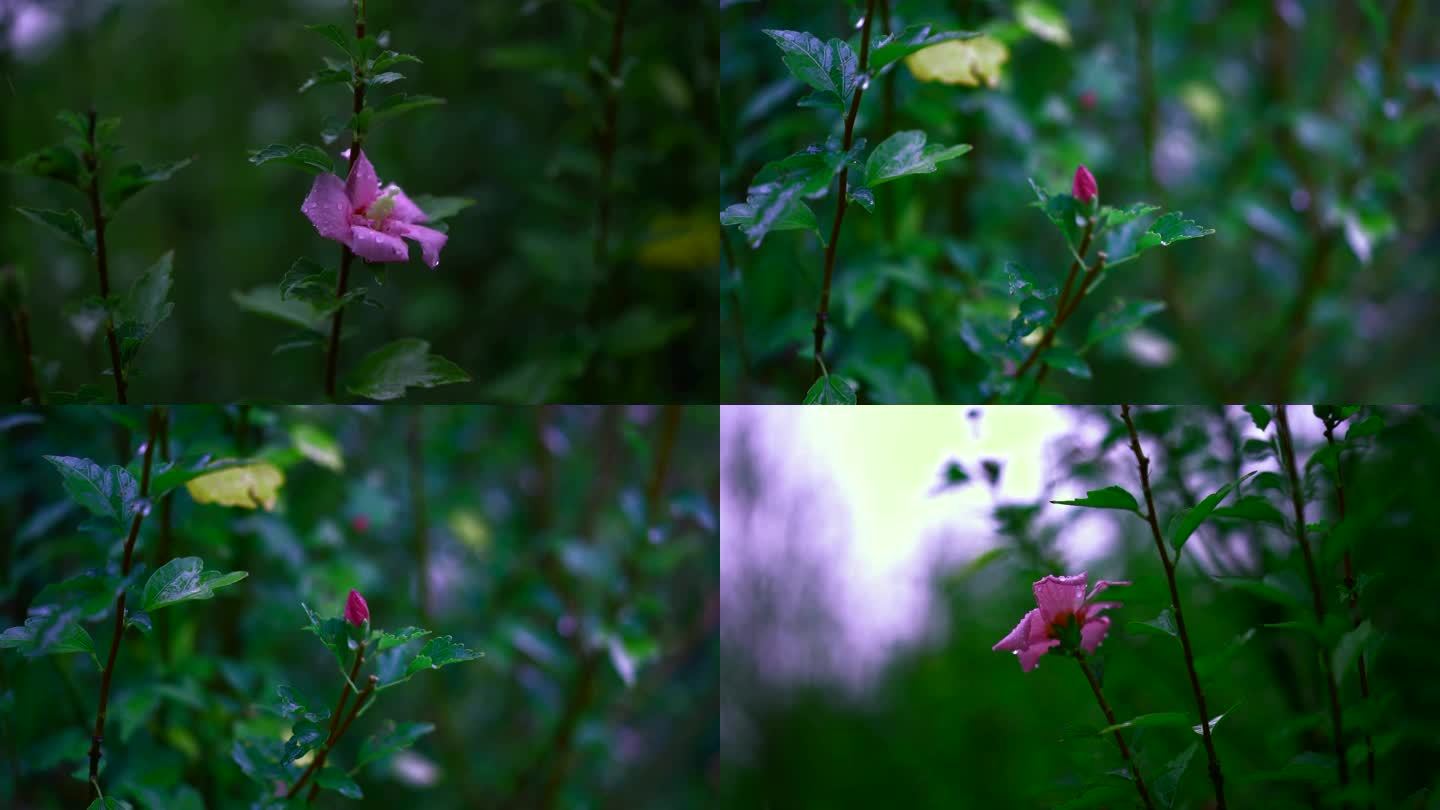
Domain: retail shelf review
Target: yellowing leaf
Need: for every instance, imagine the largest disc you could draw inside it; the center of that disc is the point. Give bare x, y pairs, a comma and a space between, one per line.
681, 242
970, 62
1042, 20
471, 528
318, 446
250, 487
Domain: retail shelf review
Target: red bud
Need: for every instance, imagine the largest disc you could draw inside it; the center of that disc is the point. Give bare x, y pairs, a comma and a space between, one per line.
356, 611
1084, 188
360, 524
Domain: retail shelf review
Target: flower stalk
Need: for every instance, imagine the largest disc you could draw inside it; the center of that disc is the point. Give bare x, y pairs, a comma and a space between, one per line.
102, 267
1287, 452
822, 314
347, 256
1216, 776
337, 727
1119, 738
108, 673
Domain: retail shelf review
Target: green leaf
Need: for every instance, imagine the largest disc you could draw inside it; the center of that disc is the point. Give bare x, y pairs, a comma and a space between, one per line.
1211, 663
406, 363
66, 222
172, 475
1370, 426
182, 580
439, 652
303, 156
1260, 415
333, 633
1186, 521
1168, 785
1066, 360
140, 620
1120, 317
56, 162
253, 485
1252, 507
133, 178
106, 492
144, 307
864, 196
1350, 648
830, 390
1064, 211
381, 79
1216, 719
905, 153
267, 301
1115, 217
1163, 624
110, 803
385, 641
305, 737
894, 47
43, 635
389, 58
332, 778
831, 68
1156, 720
327, 76
292, 704
317, 445
309, 281
390, 739
399, 104
775, 199
1044, 21
333, 34
439, 209
1112, 497
1169, 229
1020, 281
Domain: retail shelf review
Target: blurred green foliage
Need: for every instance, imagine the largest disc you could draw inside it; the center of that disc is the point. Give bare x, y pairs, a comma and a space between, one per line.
519, 301
947, 723
522, 534
1296, 131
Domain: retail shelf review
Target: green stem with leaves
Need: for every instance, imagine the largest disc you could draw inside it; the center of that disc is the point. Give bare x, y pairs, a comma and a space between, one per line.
822, 314
108, 673
102, 268
1217, 779
347, 256
336, 725
1119, 738
1287, 454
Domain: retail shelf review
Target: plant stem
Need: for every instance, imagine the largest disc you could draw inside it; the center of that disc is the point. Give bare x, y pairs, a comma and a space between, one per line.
92, 163
607, 140
109, 671
360, 700
414, 443
335, 723
1119, 738
823, 313
1065, 307
30, 382
1216, 778
1287, 452
1330, 425
347, 256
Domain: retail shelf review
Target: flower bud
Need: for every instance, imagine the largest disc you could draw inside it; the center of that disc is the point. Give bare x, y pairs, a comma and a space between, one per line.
360, 523
356, 611
1084, 188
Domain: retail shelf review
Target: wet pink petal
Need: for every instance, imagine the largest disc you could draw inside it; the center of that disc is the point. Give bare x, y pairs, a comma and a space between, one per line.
362, 185
357, 612
328, 207
1030, 656
1084, 187
376, 246
1093, 632
1057, 596
1018, 638
1105, 583
405, 209
430, 241
1093, 609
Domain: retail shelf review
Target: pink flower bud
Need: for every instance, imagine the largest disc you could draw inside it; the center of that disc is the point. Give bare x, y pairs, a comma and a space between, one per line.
1084, 188
1088, 99
356, 611
360, 523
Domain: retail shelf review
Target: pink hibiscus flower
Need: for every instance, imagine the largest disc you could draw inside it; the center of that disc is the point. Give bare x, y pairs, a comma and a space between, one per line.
369, 220
1083, 188
1066, 615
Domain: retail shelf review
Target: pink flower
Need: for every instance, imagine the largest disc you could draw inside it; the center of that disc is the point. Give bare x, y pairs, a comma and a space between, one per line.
1084, 188
356, 611
1065, 616
369, 220
360, 523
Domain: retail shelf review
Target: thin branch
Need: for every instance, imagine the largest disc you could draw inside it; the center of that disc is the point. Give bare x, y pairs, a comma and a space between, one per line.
105, 677
1216, 777
1287, 452
335, 723
361, 700
347, 256
92, 163
823, 313
1119, 738
607, 140
1330, 424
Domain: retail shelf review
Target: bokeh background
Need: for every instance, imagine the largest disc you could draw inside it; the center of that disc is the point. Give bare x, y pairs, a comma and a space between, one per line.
1298, 131
518, 300
506, 528
864, 581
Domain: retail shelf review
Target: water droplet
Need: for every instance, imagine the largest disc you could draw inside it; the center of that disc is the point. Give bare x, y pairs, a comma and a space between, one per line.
860, 23
142, 449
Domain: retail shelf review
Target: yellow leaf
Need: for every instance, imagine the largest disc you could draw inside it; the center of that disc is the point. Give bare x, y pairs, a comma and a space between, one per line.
471, 528
970, 62
1044, 22
250, 487
681, 242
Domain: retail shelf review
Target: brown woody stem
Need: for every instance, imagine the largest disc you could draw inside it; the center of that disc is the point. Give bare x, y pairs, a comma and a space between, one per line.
1119, 738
